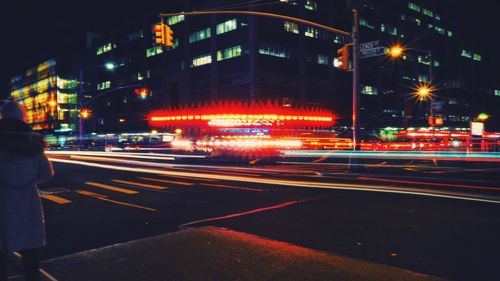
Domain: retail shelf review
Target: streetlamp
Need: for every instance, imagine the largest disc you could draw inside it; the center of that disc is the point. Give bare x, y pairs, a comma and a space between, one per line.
85, 113
423, 91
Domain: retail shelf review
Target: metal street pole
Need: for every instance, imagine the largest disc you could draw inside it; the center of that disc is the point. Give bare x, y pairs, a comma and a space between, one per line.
80, 99
355, 79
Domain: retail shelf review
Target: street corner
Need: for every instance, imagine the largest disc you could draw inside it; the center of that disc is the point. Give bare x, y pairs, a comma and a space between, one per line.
211, 253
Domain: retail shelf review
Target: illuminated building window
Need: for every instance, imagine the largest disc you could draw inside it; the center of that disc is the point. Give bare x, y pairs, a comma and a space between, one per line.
422, 78
105, 48
466, 54
274, 50
291, 2
369, 90
153, 51
436, 63
414, 7
139, 76
477, 57
201, 60
424, 60
450, 34
104, 85
291, 27
322, 59
311, 5
428, 13
440, 30
175, 19
497, 93
365, 23
226, 26
430, 26
403, 17
315, 33
418, 22
200, 35
388, 29
436, 16
229, 53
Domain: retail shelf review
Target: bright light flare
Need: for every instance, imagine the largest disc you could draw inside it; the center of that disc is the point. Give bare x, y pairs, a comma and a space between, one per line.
396, 51
85, 113
424, 92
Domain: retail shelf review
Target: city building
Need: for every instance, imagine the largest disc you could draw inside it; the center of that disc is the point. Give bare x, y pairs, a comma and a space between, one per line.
49, 95
247, 58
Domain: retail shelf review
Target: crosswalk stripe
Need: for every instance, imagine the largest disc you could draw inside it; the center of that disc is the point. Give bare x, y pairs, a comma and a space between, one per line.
114, 188
169, 181
159, 187
106, 199
232, 187
57, 199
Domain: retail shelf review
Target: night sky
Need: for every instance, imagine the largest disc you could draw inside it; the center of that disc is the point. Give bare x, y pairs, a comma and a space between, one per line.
35, 31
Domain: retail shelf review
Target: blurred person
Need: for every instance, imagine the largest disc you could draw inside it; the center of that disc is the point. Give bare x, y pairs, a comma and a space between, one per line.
23, 165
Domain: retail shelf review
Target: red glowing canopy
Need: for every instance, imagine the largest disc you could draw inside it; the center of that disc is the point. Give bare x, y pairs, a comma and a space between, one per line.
243, 114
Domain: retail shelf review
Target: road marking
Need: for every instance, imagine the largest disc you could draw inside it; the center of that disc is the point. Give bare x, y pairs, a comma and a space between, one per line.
295, 183
114, 188
169, 181
106, 199
57, 199
232, 187
157, 187
282, 205
430, 183
191, 178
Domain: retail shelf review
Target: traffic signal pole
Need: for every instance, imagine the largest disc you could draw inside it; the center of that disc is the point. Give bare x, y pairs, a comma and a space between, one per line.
355, 79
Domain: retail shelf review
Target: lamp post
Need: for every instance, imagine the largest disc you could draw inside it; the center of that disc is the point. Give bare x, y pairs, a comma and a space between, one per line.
109, 66
423, 91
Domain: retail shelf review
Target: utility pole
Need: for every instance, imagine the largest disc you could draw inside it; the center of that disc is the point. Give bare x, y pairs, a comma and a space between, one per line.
355, 79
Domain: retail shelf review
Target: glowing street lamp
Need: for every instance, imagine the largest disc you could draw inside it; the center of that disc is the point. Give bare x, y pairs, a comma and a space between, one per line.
85, 113
110, 66
424, 92
396, 51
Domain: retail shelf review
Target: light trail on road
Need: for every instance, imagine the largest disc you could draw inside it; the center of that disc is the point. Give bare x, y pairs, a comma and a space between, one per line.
298, 183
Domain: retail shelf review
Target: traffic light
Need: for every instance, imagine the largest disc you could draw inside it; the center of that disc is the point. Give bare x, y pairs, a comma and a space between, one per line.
169, 36
164, 35
159, 34
342, 61
436, 121
142, 93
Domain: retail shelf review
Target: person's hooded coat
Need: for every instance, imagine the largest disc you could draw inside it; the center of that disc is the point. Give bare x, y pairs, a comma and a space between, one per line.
23, 165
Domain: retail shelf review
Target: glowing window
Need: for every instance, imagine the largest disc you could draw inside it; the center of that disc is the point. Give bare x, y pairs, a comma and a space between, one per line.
291, 27
200, 35
175, 19
153, 51
226, 26
322, 59
201, 60
105, 48
311, 5
369, 90
274, 50
229, 53
413, 7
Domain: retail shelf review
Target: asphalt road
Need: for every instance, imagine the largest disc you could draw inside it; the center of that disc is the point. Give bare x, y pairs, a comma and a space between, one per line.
437, 220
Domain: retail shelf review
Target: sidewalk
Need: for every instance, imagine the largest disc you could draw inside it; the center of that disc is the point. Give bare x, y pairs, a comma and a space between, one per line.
210, 253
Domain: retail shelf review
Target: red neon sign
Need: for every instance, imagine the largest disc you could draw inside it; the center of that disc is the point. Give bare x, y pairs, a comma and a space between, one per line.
243, 114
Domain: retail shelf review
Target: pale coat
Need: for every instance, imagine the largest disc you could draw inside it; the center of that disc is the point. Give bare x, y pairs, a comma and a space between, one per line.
23, 165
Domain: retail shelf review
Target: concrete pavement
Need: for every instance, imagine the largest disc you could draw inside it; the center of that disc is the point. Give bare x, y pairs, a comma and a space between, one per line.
210, 253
